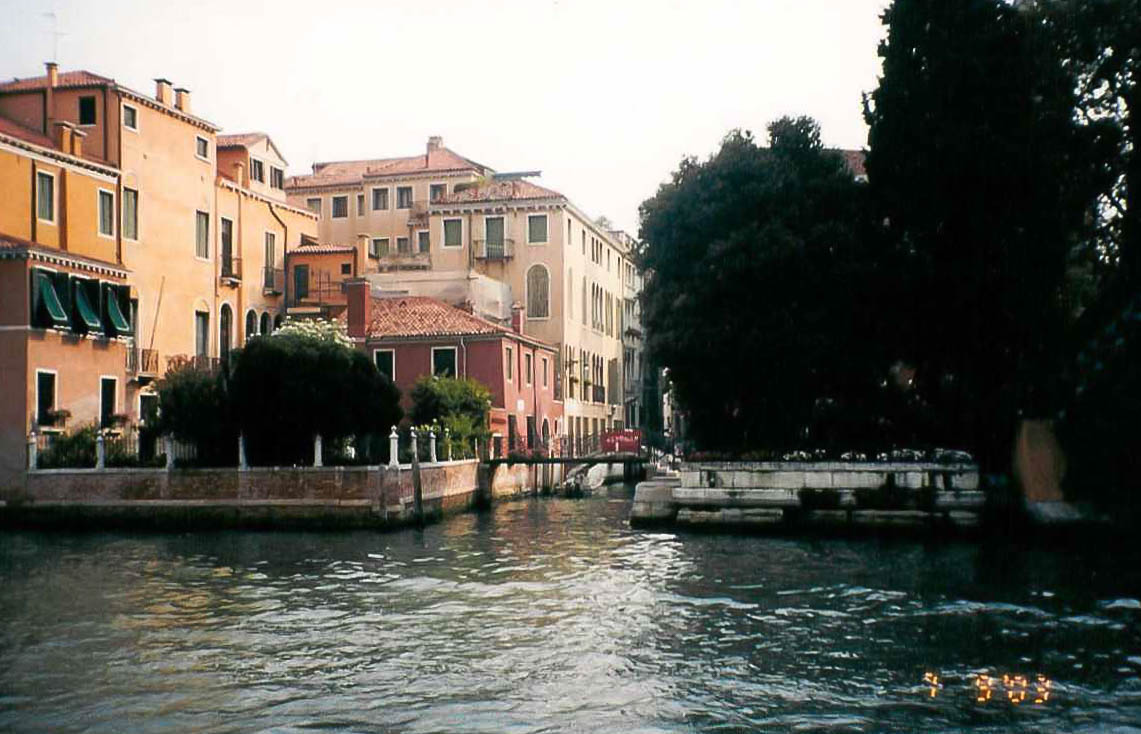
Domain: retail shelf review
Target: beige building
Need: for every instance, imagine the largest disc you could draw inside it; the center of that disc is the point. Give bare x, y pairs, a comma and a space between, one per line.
443, 212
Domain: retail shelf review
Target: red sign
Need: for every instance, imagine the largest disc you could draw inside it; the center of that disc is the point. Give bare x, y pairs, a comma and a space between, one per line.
626, 441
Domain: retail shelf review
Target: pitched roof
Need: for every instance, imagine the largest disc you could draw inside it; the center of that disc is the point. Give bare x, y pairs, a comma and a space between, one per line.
12, 245
513, 190
240, 140
316, 249
79, 78
28, 135
412, 316
336, 173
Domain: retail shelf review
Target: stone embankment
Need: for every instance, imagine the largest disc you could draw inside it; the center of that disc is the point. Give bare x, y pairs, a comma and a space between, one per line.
834, 496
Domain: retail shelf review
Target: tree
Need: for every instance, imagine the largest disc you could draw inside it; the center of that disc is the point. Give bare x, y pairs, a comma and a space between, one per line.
983, 179
194, 408
761, 290
302, 382
460, 405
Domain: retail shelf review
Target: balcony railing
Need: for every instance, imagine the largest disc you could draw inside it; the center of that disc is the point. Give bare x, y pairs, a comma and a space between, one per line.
142, 362
598, 394
494, 250
272, 281
231, 268
192, 361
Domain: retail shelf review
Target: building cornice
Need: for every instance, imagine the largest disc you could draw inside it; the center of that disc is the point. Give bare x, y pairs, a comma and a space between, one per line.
228, 184
172, 111
56, 157
43, 255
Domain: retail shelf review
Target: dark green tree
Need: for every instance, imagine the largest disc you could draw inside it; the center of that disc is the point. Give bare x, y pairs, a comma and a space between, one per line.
761, 291
983, 179
460, 405
287, 389
194, 408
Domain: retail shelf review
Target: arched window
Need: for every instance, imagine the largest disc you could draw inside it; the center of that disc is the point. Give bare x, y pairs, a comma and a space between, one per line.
265, 322
251, 324
225, 329
538, 292
277, 322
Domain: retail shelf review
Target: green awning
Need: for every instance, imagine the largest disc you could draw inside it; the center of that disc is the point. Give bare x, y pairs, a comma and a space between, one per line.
115, 314
50, 299
86, 312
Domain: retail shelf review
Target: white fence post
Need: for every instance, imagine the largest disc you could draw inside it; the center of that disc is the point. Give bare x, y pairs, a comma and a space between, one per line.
415, 447
447, 444
100, 451
393, 449
33, 455
168, 446
432, 446
317, 451
242, 463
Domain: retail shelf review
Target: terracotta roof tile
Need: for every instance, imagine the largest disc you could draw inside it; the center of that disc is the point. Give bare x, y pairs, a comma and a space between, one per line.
240, 140
8, 127
350, 172
513, 190
411, 316
66, 79
321, 249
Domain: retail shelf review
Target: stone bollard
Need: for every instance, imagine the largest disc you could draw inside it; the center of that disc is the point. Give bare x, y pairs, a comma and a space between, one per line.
447, 444
100, 451
33, 457
432, 446
317, 461
242, 463
393, 449
168, 447
415, 447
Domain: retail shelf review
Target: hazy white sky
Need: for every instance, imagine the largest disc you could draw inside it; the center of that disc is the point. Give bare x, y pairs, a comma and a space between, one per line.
604, 97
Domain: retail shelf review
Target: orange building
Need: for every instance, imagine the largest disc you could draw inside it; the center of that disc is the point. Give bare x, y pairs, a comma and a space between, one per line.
132, 237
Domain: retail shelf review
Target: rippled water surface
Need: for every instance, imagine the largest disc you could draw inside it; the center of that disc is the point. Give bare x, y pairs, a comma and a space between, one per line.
551, 615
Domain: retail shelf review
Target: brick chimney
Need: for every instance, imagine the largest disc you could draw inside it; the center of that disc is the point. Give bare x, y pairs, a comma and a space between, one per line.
240, 174
164, 91
435, 143
182, 99
358, 291
77, 137
49, 97
517, 318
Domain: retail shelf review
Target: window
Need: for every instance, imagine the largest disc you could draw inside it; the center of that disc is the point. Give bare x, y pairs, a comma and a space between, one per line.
378, 247
201, 333
314, 204
536, 229
570, 293
108, 391
379, 199
510, 363
225, 327
227, 234
584, 301
444, 361
148, 408
360, 205
276, 178
270, 250
202, 147
493, 232
130, 214
130, 118
45, 196
202, 234
264, 326
528, 366
257, 170
340, 207
346, 268
437, 191
86, 110
538, 292
453, 232
402, 247
106, 213
545, 364
423, 241
385, 360
251, 324
45, 397
301, 282
403, 197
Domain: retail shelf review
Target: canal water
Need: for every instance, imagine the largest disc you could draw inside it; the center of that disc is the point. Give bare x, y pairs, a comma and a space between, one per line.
552, 615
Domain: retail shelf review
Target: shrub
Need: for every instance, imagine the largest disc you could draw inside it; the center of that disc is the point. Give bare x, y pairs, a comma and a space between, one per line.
75, 449
460, 405
194, 407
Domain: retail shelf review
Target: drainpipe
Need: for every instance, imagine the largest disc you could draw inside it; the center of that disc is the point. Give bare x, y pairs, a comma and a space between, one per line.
463, 349
284, 247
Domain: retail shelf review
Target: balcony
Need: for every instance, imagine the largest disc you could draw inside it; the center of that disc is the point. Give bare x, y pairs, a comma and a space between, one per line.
142, 364
231, 270
597, 394
418, 213
494, 250
272, 281
403, 261
192, 361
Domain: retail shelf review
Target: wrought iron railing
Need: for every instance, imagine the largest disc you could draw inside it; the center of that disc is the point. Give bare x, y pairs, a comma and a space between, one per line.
142, 361
272, 280
232, 268
494, 249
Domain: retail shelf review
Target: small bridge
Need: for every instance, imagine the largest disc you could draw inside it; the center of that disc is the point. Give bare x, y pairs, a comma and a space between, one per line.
589, 460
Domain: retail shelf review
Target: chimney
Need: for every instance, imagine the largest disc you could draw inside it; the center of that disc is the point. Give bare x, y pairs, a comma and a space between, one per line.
49, 97
240, 175
63, 132
182, 99
516, 318
359, 294
164, 91
77, 137
435, 143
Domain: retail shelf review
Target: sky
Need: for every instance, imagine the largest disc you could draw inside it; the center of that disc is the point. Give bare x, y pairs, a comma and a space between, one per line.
605, 98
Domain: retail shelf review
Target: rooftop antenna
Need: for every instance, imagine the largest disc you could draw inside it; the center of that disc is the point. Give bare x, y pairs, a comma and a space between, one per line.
56, 33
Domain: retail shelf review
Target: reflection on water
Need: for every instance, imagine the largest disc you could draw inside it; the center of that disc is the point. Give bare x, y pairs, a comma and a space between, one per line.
552, 615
